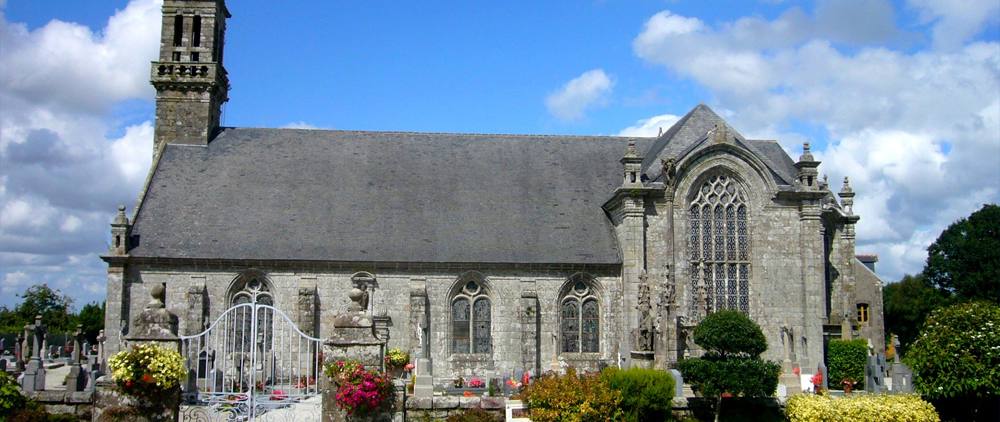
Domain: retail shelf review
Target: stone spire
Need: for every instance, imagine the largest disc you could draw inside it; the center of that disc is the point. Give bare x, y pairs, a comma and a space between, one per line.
120, 228
632, 163
847, 197
807, 169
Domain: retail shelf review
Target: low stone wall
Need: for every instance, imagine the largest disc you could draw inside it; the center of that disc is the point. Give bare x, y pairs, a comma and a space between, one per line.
440, 407
79, 403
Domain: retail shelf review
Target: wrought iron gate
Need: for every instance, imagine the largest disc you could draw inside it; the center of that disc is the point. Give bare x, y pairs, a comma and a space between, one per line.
252, 363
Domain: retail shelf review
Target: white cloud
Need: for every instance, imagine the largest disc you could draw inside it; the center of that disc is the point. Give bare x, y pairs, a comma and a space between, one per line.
956, 21
301, 125
918, 131
61, 174
588, 90
651, 126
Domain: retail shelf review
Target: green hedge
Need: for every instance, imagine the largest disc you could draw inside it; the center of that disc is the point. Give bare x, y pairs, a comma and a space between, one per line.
846, 359
743, 377
646, 393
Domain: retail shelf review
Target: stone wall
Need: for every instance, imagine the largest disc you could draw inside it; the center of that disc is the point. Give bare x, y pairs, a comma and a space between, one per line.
79, 404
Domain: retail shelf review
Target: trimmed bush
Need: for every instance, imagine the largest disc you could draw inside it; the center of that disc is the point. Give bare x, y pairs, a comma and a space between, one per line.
646, 393
572, 398
742, 377
860, 407
846, 360
730, 333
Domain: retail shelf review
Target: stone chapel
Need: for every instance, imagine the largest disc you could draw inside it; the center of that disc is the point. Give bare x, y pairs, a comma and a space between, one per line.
485, 253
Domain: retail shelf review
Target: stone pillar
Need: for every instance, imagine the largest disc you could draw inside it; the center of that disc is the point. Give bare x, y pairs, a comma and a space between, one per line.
306, 310
116, 309
633, 265
530, 335
76, 380
813, 305
354, 338
419, 319
34, 371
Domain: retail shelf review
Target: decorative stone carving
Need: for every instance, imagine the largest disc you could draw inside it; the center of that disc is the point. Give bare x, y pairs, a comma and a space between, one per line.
644, 337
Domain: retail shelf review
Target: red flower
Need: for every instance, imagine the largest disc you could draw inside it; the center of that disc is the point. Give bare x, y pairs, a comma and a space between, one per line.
796, 370
147, 378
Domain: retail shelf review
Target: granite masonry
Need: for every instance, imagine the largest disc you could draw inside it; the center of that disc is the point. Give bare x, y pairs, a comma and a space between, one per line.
487, 254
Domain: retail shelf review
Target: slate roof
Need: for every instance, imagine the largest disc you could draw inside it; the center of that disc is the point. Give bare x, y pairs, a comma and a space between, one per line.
383, 196
325, 195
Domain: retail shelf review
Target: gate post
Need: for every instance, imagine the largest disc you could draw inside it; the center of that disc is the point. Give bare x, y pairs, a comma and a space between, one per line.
154, 325
353, 337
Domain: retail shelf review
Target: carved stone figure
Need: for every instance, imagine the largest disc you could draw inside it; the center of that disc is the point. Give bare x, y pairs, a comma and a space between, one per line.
644, 339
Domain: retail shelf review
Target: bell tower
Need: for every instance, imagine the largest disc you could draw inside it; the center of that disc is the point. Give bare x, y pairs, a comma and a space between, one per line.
191, 83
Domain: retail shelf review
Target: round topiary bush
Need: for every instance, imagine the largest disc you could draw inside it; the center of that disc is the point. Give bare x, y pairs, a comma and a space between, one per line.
730, 333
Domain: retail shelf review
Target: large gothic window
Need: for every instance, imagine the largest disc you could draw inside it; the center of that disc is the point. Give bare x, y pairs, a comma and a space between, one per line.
580, 319
251, 288
470, 320
719, 246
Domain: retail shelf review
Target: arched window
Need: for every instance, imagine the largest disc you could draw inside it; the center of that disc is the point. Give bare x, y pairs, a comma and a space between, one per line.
580, 317
251, 287
470, 320
719, 246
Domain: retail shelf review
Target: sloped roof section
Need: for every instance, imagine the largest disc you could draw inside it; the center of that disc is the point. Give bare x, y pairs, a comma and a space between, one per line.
690, 132
284, 194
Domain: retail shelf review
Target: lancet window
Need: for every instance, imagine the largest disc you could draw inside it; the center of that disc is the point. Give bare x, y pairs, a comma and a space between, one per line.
719, 247
580, 316
470, 320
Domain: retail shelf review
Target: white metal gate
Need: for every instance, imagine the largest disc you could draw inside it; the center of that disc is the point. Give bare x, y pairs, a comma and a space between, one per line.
252, 363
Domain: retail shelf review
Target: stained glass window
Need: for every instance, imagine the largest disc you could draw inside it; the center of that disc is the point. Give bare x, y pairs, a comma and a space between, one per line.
570, 326
719, 246
590, 327
460, 326
471, 319
580, 315
481, 326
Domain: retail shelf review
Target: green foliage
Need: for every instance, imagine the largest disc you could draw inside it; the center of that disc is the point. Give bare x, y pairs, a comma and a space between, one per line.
965, 258
907, 304
728, 333
10, 396
739, 376
474, 415
958, 352
91, 317
570, 397
859, 407
646, 393
846, 360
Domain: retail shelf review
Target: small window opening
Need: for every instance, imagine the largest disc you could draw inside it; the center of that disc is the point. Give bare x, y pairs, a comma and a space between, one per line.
196, 32
194, 56
178, 30
631, 177
118, 241
863, 312
177, 56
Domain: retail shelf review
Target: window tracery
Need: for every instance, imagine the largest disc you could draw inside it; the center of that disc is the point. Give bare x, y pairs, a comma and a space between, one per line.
718, 247
580, 316
470, 320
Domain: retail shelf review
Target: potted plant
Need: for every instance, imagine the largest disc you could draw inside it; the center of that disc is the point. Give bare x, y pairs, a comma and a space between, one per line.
395, 362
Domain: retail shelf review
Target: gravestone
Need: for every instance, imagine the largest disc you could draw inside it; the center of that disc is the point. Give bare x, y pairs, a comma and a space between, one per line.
902, 378
34, 371
76, 379
875, 374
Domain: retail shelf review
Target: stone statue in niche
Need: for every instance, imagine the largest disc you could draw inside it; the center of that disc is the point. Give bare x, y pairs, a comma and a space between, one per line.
669, 171
644, 337
788, 341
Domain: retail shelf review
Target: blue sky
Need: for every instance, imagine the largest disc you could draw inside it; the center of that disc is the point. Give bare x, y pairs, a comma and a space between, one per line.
904, 97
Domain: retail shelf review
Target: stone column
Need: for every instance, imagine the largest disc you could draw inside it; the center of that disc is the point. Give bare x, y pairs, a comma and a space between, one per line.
632, 243
813, 305
354, 338
306, 310
194, 321
423, 387
116, 310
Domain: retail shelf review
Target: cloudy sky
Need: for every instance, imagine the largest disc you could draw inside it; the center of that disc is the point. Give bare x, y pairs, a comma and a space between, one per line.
903, 97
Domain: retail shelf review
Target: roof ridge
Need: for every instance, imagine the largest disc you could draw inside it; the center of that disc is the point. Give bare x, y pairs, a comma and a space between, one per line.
396, 132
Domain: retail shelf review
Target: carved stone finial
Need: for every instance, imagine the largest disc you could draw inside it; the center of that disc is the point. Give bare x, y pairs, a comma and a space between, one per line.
806, 153
120, 218
158, 293
630, 150
846, 189
357, 296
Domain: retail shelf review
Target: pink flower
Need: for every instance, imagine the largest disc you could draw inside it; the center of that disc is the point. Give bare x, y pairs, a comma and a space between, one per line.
408, 367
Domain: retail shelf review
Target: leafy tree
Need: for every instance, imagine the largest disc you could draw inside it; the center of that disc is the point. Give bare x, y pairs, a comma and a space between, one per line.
91, 316
52, 305
847, 360
733, 344
957, 357
965, 259
906, 305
